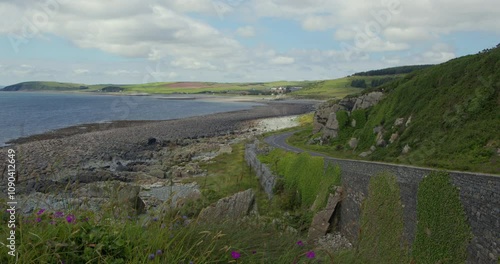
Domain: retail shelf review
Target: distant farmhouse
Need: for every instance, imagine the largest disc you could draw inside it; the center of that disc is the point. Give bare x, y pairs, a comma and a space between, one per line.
285, 89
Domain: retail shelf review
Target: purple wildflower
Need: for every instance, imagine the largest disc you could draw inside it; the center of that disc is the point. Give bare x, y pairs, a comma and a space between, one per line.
254, 252
235, 254
159, 252
300, 243
310, 254
70, 218
38, 220
151, 256
40, 211
184, 217
59, 214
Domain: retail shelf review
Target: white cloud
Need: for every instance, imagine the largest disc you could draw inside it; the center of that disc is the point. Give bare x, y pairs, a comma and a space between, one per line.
282, 60
186, 46
246, 32
81, 71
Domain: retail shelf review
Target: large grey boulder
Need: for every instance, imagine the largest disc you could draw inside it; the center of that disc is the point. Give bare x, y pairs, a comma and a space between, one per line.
229, 208
323, 219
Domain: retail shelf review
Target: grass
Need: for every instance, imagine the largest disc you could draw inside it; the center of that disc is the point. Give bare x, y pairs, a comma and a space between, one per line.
455, 118
106, 237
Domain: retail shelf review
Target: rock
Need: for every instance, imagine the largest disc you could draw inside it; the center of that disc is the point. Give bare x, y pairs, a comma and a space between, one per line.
365, 154
378, 129
380, 136
321, 221
381, 143
151, 141
399, 122
353, 143
408, 122
393, 138
368, 100
353, 123
229, 208
225, 149
373, 148
406, 149
332, 123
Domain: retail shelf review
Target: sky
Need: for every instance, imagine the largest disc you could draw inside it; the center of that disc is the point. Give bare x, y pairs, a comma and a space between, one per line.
142, 41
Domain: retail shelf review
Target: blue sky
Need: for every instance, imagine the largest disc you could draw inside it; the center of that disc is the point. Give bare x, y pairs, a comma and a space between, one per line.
138, 41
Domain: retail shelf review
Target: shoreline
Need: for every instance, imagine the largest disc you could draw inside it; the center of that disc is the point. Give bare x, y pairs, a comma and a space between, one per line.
114, 124
66, 151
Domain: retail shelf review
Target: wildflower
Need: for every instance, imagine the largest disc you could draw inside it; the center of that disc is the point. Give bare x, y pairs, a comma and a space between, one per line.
159, 252
310, 254
235, 254
70, 218
151, 256
59, 214
40, 211
254, 252
162, 226
300, 243
184, 217
155, 219
38, 220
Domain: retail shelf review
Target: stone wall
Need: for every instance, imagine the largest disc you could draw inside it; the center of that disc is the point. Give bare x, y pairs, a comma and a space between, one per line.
479, 193
266, 177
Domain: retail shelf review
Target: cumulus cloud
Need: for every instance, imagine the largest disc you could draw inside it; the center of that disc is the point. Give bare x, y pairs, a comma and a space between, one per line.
188, 45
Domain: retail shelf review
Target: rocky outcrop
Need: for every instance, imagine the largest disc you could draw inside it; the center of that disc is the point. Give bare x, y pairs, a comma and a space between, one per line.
323, 219
367, 100
229, 208
325, 118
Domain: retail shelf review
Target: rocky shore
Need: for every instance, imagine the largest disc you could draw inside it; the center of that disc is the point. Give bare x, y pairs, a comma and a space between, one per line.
139, 163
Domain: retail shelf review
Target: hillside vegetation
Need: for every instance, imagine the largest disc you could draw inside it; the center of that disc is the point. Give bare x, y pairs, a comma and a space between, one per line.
454, 113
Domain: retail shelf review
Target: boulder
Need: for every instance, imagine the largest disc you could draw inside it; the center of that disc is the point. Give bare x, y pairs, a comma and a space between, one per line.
322, 220
377, 129
406, 149
393, 138
381, 143
399, 122
353, 143
365, 154
408, 122
229, 208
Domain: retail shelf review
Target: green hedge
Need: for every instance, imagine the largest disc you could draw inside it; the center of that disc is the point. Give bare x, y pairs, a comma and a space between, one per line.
442, 230
381, 231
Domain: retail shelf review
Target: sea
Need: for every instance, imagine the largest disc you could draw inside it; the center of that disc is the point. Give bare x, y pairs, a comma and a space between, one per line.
29, 113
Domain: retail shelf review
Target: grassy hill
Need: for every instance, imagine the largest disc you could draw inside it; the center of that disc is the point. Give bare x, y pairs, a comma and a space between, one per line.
338, 88
455, 117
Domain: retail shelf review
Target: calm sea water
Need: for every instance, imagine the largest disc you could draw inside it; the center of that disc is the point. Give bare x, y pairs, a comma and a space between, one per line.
24, 114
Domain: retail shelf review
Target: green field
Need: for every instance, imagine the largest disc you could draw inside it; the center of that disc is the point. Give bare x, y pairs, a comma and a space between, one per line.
322, 90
